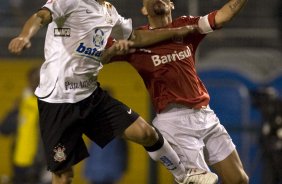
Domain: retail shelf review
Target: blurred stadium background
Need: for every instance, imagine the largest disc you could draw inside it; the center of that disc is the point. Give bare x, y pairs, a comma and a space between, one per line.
235, 63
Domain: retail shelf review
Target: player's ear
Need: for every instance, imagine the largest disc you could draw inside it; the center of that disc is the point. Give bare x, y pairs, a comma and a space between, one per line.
171, 5
144, 11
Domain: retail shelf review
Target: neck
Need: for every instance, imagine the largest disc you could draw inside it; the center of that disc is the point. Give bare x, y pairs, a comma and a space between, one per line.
159, 22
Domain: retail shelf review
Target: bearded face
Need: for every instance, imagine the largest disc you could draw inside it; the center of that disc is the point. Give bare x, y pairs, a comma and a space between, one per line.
158, 7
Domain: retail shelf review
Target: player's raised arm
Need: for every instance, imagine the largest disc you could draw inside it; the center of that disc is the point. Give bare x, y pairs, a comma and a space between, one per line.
228, 11
30, 28
143, 38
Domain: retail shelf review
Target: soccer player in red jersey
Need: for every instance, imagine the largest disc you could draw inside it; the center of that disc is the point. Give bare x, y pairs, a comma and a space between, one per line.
179, 97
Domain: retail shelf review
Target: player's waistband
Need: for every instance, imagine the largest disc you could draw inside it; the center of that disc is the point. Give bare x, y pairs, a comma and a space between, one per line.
179, 108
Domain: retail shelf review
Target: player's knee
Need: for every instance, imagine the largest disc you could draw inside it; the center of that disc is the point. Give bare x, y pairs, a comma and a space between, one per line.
148, 137
241, 179
244, 178
141, 132
63, 177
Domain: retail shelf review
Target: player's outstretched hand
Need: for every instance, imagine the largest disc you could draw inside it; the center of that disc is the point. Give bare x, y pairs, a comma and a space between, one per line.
18, 44
122, 47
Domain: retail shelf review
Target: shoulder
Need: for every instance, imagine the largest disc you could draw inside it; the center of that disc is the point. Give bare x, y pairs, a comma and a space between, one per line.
185, 20
65, 3
62, 6
71, 4
111, 9
110, 6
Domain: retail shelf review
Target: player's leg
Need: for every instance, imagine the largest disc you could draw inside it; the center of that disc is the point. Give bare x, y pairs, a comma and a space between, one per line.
142, 133
158, 148
221, 153
61, 131
180, 126
62, 177
113, 118
230, 170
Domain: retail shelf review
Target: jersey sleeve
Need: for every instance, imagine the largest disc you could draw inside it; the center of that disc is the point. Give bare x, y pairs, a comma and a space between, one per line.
60, 8
207, 23
122, 29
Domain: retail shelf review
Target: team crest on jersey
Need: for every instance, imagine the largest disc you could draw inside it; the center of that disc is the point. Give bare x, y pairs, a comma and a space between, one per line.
89, 51
63, 32
98, 38
60, 154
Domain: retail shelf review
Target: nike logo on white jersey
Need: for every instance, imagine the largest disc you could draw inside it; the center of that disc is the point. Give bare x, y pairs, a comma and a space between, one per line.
88, 11
129, 111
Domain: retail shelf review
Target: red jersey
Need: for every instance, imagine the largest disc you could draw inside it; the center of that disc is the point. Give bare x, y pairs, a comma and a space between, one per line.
168, 68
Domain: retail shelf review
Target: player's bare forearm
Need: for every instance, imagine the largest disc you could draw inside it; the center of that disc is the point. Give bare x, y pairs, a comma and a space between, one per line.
35, 22
228, 12
108, 54
142, 38
30, 28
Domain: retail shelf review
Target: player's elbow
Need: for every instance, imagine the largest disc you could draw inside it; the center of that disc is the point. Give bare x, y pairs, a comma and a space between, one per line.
44, 15
139, 39
222, 21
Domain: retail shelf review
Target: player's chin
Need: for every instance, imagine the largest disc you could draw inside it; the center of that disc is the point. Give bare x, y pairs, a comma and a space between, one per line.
160, 9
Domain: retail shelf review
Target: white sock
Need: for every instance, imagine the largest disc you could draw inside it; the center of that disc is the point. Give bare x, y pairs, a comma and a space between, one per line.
168, 157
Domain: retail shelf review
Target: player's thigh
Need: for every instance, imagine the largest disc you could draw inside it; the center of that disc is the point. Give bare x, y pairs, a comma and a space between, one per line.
141, 132
63, 177
231, 170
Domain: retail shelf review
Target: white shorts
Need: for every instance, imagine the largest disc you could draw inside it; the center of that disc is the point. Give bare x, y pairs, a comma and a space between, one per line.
196, 135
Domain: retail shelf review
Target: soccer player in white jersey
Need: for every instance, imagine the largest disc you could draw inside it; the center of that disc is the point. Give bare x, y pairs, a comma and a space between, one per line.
180, 99
70, 100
